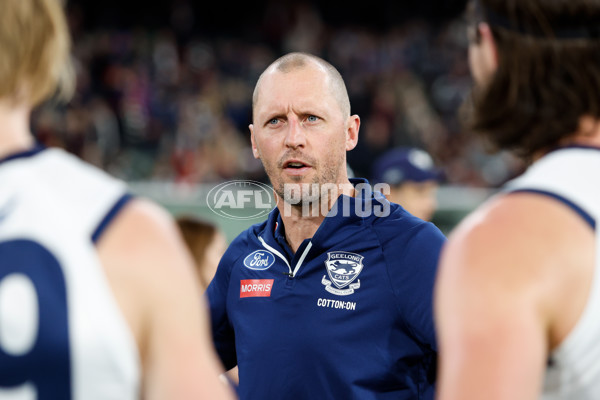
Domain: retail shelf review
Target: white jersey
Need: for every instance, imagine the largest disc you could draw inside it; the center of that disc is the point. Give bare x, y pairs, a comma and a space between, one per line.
572, 175
62, 334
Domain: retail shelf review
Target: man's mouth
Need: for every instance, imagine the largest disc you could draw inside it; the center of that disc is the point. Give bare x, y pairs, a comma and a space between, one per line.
294, 165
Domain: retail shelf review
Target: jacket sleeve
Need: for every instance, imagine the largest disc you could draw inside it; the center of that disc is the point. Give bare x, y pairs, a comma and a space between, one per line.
216, 294
412, 261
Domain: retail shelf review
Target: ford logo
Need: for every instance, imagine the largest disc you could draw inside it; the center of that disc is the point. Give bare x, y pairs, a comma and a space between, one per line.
259, 260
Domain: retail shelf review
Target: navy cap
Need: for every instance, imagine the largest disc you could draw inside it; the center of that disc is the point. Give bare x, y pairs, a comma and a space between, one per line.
405, 164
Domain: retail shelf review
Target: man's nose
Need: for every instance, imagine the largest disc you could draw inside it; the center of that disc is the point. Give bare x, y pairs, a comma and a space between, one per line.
295, 135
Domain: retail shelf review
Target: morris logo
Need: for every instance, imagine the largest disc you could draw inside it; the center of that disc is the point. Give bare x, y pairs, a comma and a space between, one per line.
256, 287
343, 268
259, 260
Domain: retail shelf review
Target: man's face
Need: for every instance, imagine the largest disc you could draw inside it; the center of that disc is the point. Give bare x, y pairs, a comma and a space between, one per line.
418, 198
299, 131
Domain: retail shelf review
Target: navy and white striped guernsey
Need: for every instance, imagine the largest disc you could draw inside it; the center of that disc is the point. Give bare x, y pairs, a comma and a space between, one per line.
62, 333
572, 175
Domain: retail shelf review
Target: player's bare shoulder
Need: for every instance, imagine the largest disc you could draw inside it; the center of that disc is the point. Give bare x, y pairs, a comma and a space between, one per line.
152, 276
524, 240
505, 220
141, 252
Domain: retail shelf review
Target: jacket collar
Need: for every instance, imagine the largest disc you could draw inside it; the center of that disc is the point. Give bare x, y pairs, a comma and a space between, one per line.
346, 215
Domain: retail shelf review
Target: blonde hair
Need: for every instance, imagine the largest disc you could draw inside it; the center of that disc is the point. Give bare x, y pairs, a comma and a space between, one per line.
35, 49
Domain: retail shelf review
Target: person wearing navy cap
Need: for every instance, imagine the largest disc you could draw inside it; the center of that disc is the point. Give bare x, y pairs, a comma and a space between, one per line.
413, 178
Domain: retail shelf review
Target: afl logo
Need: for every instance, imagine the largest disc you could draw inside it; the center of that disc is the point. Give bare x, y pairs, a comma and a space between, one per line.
259, 260
241, 200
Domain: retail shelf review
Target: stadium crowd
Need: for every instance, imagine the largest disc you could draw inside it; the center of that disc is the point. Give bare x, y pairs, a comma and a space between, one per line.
166, 103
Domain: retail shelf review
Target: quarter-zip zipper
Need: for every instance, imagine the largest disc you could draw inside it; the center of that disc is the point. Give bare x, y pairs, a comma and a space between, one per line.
293, 273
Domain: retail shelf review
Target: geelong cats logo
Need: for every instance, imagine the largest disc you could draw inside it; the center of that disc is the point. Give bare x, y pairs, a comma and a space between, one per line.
343, 269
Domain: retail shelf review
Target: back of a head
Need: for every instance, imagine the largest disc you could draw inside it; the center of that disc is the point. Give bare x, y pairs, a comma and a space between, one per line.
205, 242
548, 72
197, 233
34, 51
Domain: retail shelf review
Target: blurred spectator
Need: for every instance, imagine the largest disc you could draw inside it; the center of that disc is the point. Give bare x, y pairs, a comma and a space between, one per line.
413, 180
207, 244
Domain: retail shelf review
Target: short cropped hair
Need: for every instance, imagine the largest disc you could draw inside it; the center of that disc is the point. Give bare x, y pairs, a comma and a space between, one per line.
298, 60
548, 73
34, 51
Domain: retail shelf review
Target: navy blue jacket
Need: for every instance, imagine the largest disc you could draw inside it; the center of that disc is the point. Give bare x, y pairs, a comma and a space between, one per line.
348, 316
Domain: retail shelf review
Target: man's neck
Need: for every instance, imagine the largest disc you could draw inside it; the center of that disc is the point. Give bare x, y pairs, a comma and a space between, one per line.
15, 135
587, 134
591, 139
303, 224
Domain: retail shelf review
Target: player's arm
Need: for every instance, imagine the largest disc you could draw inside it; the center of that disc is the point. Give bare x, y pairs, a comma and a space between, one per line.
152, 276
490, 304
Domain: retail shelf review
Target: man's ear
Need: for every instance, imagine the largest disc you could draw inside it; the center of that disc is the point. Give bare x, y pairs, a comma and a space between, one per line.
254, 148
487, 41
352, 132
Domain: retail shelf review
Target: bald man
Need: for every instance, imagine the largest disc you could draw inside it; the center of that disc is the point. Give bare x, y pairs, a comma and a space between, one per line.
331, 296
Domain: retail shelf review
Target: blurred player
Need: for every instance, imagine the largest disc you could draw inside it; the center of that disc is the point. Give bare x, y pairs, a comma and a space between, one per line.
97, 292
413, 179
518, 294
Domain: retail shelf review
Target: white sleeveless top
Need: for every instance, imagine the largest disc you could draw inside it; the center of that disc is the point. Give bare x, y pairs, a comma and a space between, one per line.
62, 334
572, 175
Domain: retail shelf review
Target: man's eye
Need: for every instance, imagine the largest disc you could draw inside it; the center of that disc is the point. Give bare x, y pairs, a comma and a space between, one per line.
273, 121
312, 118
